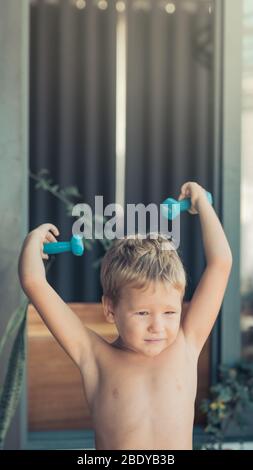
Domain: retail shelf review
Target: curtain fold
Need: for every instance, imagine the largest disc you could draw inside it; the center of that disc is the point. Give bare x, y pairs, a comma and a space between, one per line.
72, 124
169, 109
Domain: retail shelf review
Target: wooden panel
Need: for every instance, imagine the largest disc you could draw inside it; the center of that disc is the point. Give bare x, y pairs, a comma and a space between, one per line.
55, 396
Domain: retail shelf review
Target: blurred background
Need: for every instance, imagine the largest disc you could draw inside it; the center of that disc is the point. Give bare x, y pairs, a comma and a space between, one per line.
121, 105
128, 100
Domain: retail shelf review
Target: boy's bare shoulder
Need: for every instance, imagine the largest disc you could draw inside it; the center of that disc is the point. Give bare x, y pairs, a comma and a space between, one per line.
104, 352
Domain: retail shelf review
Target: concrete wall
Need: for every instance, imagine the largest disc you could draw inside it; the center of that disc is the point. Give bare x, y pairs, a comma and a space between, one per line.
14, 53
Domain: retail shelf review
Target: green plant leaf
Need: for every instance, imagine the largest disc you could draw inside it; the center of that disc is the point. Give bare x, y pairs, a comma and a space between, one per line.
11, 390
13, 324
71, 191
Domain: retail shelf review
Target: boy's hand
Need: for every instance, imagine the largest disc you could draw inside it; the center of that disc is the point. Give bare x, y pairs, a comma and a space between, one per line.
195, 192
44, 235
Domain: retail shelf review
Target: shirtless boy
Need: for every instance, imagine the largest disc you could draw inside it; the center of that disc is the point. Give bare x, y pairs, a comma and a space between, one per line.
141, 388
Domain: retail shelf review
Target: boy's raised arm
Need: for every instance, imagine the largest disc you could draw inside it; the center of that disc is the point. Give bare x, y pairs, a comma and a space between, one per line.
207, 298
59, 318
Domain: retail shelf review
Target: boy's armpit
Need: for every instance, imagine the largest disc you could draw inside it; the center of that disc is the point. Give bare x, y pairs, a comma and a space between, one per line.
96, 346
206, 303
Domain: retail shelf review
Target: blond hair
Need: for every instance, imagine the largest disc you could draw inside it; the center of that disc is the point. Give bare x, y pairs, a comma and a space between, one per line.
139, 261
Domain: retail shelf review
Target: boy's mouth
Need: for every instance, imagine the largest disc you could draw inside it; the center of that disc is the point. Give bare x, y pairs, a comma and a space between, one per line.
154, 340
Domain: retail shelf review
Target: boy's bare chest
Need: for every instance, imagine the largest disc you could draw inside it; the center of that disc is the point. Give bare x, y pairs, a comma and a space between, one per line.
149, 392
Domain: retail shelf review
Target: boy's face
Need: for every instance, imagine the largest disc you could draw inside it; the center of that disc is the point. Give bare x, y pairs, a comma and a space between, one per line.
147, 320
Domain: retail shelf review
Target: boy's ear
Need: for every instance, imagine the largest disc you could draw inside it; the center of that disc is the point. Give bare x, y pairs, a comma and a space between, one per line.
108, 309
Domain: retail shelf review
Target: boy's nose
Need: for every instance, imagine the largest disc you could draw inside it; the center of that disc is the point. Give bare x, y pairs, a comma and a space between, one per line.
155, 326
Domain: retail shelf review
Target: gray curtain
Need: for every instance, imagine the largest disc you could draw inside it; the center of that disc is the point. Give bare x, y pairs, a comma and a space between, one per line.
169, 122
169, 110
72, 124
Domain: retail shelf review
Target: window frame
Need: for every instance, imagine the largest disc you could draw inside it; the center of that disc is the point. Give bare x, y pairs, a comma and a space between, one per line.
226, 336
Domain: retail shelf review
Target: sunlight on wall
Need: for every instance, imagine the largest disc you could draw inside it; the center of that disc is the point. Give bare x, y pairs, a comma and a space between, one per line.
247, 182
120, 105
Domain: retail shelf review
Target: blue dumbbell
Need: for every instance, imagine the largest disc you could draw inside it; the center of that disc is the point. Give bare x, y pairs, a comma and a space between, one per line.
171, 208
75, 246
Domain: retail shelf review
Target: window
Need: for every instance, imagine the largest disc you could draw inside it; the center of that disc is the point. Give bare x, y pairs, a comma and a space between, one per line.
247, 184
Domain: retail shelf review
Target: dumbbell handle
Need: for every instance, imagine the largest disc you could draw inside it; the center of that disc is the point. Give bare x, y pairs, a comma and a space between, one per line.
56, 247
171, 208
75, 246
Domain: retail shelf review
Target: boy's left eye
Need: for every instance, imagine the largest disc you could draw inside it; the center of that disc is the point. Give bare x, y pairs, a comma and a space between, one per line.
144, 313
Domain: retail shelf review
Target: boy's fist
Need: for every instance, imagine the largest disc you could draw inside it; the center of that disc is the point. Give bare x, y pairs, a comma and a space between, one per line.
44, 235
195, 192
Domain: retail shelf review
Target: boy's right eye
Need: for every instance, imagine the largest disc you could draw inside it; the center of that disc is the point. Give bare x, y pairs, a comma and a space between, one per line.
141, 313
